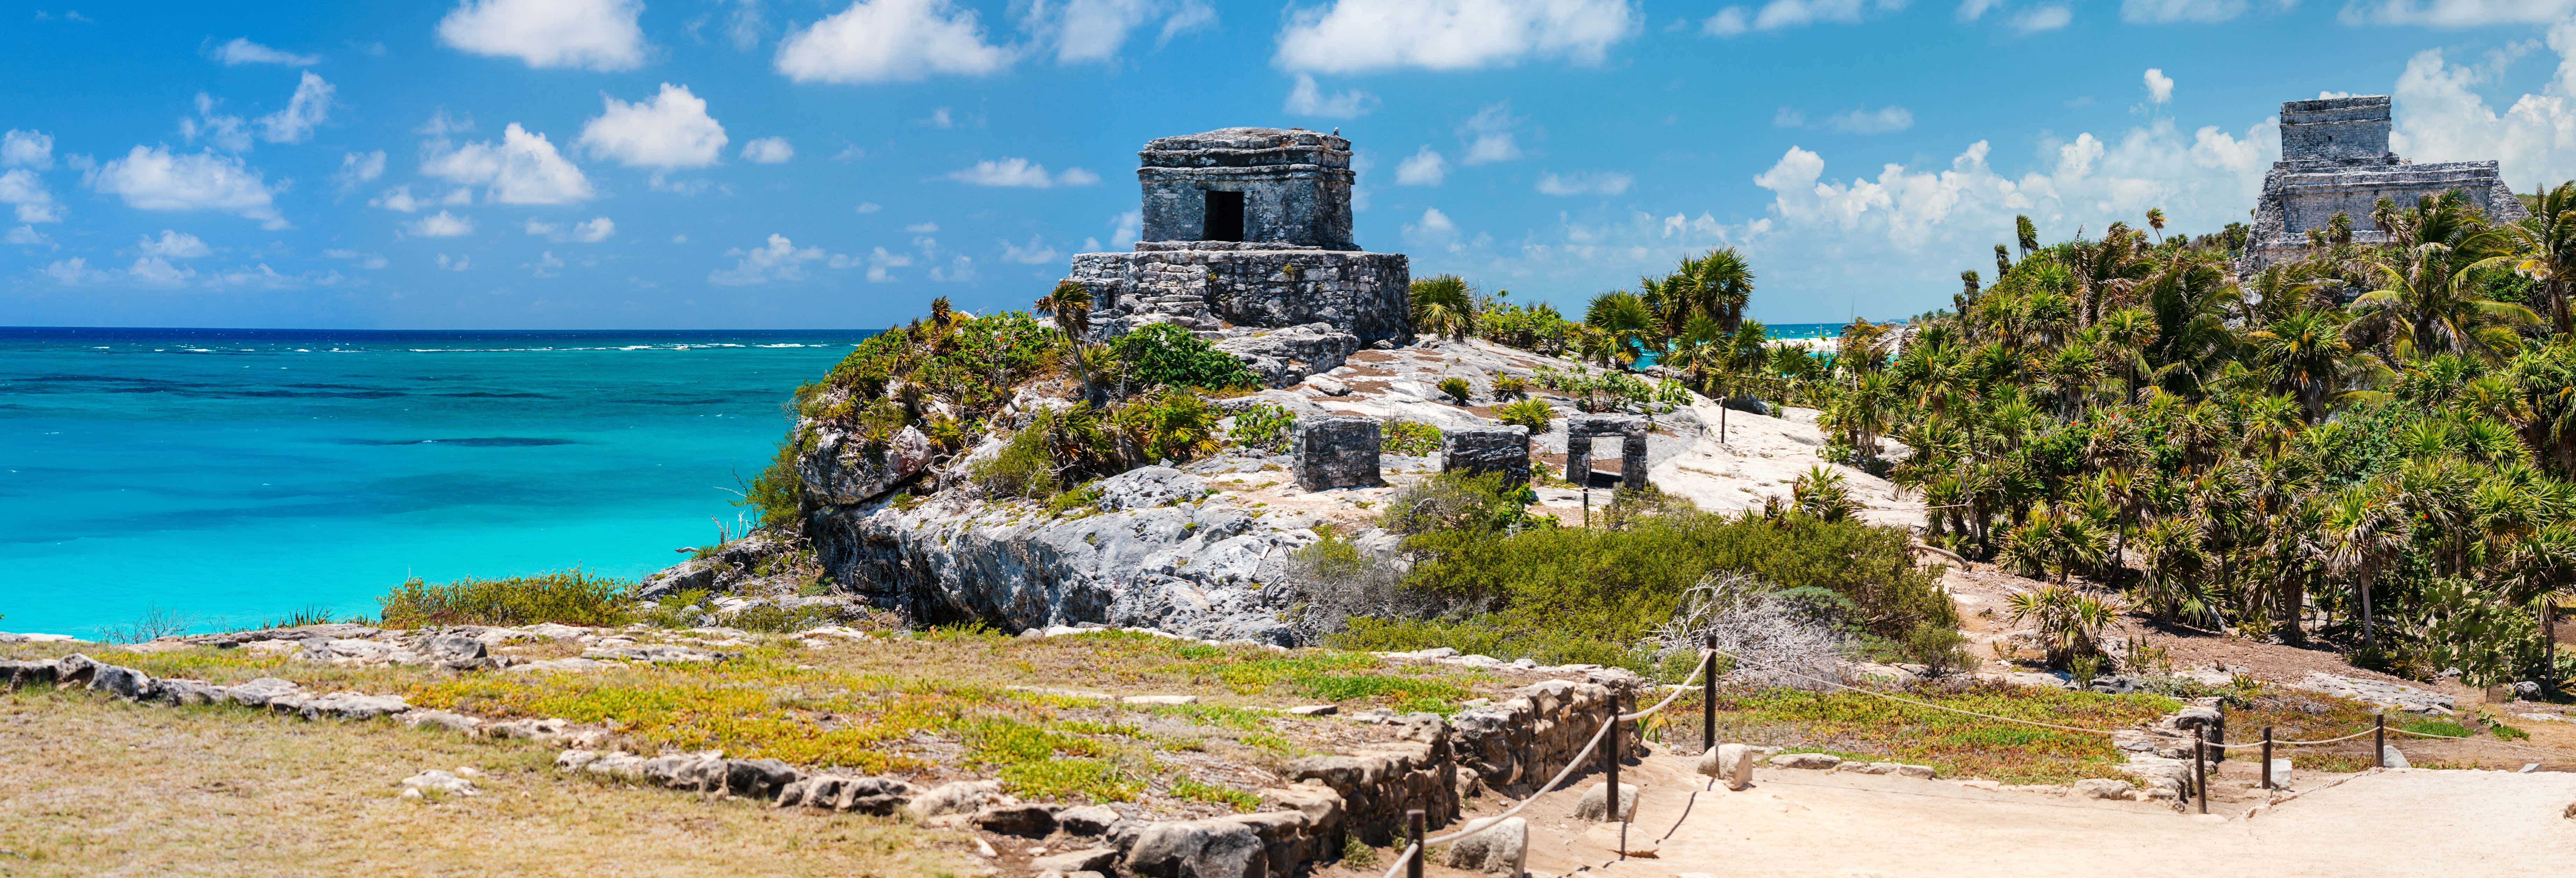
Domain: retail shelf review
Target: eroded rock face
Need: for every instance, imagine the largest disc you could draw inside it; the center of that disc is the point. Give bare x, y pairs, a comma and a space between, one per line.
1284, 357
1151, 556
842, 470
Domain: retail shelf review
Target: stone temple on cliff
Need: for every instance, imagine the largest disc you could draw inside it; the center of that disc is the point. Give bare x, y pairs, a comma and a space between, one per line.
1247, 239
2335, 159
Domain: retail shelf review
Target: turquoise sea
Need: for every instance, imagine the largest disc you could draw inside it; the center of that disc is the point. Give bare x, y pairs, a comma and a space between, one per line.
231, 476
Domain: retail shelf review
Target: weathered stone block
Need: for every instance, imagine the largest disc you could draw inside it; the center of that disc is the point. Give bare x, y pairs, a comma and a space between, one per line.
1336, 451
1503, 450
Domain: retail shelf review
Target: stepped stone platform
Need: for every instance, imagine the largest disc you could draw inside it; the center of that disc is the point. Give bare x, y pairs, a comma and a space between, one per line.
2335, 159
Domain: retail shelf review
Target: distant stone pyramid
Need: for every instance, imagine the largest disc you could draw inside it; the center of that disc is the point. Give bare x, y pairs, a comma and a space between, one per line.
2335, 159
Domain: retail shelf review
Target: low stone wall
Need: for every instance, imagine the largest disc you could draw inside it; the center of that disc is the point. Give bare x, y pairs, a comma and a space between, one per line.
1510, 747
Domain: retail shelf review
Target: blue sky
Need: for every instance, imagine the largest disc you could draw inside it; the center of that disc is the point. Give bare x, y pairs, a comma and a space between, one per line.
829, 164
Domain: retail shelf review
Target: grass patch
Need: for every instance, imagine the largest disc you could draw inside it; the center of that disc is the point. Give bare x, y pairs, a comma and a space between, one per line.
1186, 788
570, 597
2444, 728
1955, 744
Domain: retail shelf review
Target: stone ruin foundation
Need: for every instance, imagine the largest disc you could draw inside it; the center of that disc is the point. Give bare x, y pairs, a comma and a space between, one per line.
1336, 451
2335, 159
1503, 450
1579, 433
1246, 239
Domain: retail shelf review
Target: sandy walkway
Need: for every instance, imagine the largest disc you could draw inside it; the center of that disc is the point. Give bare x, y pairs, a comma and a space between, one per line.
1805, 823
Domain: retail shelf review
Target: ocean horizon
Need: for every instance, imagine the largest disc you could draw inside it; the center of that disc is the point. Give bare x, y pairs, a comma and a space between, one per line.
225, 477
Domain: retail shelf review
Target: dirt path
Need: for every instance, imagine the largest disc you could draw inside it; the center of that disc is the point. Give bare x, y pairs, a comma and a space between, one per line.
1806, 823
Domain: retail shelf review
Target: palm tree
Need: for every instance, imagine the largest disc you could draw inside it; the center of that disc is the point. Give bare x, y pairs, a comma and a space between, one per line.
2362, 533
2547, 243
2156, 221
2126, 332
1444, 305
1069, 304
1624, 318
2429, 302
2025, 234
2304, 353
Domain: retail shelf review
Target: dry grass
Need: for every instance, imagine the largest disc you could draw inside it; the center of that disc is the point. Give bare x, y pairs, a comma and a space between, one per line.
1857, 726
93, 787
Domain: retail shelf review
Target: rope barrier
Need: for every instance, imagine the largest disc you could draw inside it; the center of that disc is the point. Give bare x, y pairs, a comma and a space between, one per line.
1581, 758
2032, 722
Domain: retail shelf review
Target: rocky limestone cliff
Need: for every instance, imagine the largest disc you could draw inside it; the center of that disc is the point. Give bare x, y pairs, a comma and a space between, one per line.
1154, 551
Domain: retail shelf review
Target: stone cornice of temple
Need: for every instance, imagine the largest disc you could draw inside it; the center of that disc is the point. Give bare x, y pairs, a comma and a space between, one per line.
1246, 172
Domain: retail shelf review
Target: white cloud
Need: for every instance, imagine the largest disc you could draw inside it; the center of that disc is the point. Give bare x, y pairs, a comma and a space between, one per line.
26, 149
2440, 117
397, 199
368, 261
1036, 253
242, 51
2041, 18
1306, 99
939, 118
1435, 231
2456, 13
591, 34
959, 270
2188, 11
778, 260
442, 225
922, 228
72, 272
1489, 135
1971, 10
457, 263
26, 236
547, 265
358, 168
232, 133
594, 230
262, 277
1783, 14
881, 260
173, 245
307, 108
156, 272
1424, 168
2159, 86
1130, 226
523, 168
870, 207
890, 41
153, 178
1020, 172
542, 228
768, 151
1607, 183
1353, 36
1093, 30
1854, 121
670, 131
26, 191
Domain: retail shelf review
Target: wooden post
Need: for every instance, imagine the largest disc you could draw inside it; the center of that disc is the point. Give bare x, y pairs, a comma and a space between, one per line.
1413, 833
1708, 697
2379, 741
1610, 753
2267, 757
2200, 767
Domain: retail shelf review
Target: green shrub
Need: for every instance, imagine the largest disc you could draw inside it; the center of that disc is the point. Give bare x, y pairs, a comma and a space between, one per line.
1166, 354
1266, 426
1939, 647
1176, 426
1457, 502
1458, 390
1535, 414
1187, 788
569, 598
778, 492
1023, 468
1510, 386
779, 620
1409, 437
1616, 586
